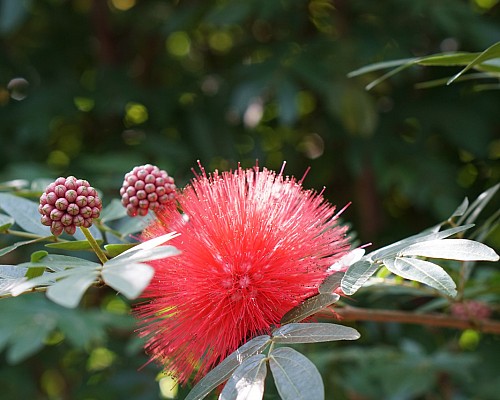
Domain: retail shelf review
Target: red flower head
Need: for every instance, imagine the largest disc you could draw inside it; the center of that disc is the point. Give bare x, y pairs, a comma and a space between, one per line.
254, 245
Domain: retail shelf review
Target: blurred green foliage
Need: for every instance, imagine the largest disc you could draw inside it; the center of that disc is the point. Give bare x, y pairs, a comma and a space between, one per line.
92, 88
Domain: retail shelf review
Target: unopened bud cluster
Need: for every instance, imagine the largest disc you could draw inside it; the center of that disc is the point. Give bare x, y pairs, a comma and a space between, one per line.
471, 309
145, 188
69, 203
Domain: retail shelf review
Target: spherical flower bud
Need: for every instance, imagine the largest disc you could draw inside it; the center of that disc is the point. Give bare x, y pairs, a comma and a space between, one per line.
68, 203
146, 188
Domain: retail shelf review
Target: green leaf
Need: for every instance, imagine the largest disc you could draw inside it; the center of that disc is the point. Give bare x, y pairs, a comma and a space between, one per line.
490, 53
452, 249
461, 209
331, 283
222, 371
478, 205
29, 341
422, 271
38, 255
113, 211
295, 376
148, 244
67, 292
75, 245
393, 249
115, 249
313, 333
356, 276
14, 246
56, 262
96, 233
25, 213
247, 382
309, 307
5, 222
128, 278
10, 276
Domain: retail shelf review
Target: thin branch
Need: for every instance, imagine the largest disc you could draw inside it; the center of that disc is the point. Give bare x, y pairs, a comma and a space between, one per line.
349, 313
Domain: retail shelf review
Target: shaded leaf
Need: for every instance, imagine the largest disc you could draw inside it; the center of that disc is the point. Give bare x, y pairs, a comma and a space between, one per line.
25, 213
113, 211
309, 307
222, 371
73, 245
14, 246
5, 222
331, 283
422, 271
357, 275
313, 333
295, 376
452, 249
115, 249
96, 233
57, 262
247, 382
128, 278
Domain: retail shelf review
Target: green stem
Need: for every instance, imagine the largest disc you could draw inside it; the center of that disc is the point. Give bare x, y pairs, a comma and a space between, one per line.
98, 251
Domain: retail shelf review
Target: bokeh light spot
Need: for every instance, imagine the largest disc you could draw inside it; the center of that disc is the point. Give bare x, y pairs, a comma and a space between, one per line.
135, 113
178, 44
18, 88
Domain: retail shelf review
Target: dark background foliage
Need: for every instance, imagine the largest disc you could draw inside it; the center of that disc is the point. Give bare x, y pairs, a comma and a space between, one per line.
113, 84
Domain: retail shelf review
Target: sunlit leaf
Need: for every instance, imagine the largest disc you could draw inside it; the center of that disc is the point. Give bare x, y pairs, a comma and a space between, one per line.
295, 376
461, 209
148, 244
68, 291
309, 307
452, 249
422, 271
222, 372
25, 213
395, 248
491, 52
128, 278
478, 205
144, 255
356, 276
313, 332
247, 381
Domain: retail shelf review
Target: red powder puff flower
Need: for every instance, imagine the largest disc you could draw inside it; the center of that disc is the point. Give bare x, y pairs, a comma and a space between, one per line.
254, 245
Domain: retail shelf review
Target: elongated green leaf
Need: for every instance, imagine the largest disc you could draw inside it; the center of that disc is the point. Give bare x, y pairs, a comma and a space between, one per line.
144, 255
147, 245
14, 246
478, 205
24, 212
309, 307
130, 279
491, 52
393, 249
5, 222
222, 372
422, 271
247, 382
115, 249
452, 249
68, 291
461, 209
295, 376
313, 333
357, 275
331, 283
381, 65
57, 262
76, 245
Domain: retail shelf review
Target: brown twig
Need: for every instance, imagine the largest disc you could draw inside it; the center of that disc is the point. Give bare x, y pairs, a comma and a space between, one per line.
349, 313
